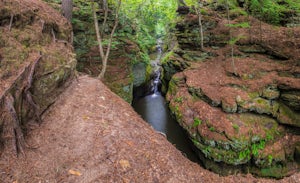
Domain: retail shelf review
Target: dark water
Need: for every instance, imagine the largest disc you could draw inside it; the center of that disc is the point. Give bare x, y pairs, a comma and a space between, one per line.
154, 110
152, 106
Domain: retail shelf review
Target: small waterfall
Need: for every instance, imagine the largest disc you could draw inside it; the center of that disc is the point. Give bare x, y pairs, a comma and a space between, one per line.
155, 83
153, 108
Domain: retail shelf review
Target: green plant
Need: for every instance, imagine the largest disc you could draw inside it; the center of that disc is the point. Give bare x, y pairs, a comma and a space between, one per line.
179, 99
236, 127
233, 40
258, 146
206, 151
239, 25
212, 129
269, 136
197, 122
270, 160
244, 154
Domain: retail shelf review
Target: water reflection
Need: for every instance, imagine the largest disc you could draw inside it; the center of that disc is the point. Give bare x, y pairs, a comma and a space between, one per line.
154, 110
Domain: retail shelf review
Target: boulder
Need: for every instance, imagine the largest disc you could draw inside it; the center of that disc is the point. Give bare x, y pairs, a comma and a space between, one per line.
241, 119
37, 61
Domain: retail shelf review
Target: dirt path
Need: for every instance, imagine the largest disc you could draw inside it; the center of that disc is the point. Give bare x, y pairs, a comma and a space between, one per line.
91, 135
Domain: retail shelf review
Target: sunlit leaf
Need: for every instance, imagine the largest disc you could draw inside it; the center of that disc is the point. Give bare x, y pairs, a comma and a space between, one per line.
74, 172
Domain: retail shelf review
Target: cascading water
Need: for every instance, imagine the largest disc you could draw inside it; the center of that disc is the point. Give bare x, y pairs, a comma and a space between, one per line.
154, 110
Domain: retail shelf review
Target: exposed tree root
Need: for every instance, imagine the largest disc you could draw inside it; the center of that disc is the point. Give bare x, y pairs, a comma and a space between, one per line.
27, 94
12, 132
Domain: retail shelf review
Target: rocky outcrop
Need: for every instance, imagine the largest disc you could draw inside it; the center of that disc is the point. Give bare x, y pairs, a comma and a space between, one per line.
240, 104
37, 60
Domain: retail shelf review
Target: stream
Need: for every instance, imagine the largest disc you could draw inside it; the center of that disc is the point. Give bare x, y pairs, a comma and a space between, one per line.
153, 108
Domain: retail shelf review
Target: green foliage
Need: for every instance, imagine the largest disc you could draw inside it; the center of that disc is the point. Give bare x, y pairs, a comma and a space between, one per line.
233, 40
269, 136
197, 122
179, 100
149, 18
244, 154
212, 129
258, 146
239, 25
167, 56
270, 160
272, 11
237, 12
236, 127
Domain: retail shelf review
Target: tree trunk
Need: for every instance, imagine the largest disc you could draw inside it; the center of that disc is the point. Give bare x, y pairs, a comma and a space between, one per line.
230, 38
101, 75
67, 7
105, 7
104, 57
198, 11
99, 39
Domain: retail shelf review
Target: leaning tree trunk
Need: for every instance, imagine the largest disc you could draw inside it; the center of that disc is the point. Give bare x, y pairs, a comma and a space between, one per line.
67, 7
198, 11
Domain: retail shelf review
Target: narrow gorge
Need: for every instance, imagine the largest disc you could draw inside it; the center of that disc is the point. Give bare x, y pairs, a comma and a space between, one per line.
194, 91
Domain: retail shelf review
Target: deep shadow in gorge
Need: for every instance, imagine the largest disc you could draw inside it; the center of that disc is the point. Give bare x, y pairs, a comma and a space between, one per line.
154, 110
150, 103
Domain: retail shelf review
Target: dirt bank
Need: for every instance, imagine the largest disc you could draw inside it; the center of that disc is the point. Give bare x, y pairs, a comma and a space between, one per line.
92, 135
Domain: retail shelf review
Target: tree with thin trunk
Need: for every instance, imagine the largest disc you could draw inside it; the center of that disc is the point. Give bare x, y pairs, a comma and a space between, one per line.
105, 8
198, 11
67, 8
230, 41
104, 55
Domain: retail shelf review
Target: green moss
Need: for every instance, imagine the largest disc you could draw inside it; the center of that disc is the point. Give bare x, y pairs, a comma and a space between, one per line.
257, 146
197, 122
212, 129
288, 116
172, 87
239, 25
253, 95
178, 99
236, 127
246, 154
277, 171
166, 57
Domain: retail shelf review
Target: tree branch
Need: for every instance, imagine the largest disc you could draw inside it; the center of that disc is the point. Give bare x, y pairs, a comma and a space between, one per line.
101, 75
11, 21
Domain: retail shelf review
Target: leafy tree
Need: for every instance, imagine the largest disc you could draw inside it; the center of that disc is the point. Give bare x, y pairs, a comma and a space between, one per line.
104, 55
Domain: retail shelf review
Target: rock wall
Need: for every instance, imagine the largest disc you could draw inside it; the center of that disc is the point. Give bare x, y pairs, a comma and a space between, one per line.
36, 62
239, 102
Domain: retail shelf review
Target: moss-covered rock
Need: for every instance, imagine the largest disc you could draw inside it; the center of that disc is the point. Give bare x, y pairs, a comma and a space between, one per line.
37, 56
286, 115
225, 132
291, 99
297, 153
172, 63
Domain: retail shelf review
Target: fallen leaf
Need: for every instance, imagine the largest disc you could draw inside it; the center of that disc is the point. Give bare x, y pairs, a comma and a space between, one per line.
85, 117
124, 164
130, 143
73, 172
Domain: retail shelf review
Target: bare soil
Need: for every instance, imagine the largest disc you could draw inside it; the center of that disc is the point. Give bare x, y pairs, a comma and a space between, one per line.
92, 135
